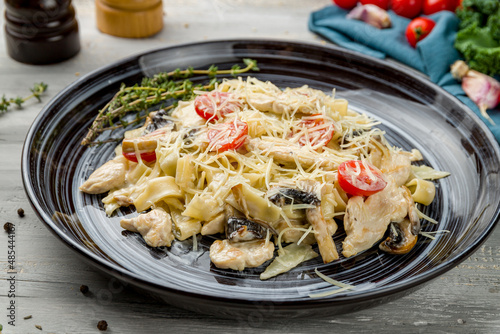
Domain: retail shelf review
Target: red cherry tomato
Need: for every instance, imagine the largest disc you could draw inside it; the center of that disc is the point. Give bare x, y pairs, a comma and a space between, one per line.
315, 131
418, 29
145, 156
346, 4
407, 8
359, 178
384, 4
227, 136
214, 105
434, 6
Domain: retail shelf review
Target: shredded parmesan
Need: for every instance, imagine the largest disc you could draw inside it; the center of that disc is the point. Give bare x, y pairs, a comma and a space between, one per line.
430, 234
293, 138
343, 286
421, 215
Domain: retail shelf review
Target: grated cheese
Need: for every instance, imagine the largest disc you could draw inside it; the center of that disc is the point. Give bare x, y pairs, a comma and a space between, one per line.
343, 286
283, 148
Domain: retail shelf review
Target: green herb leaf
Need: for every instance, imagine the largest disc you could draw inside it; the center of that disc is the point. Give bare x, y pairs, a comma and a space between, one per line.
152, 91
36, 91
252, 63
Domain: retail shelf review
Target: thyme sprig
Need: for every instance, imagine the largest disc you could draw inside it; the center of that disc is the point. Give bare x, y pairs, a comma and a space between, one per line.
162, 87
36, 92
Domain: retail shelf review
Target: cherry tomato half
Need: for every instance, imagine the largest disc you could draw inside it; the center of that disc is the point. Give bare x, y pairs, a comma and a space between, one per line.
317, 131
145, 156
418, 29
355, 180
407, 8
214, 105
434, 6
346, 4
227, 136
384, 4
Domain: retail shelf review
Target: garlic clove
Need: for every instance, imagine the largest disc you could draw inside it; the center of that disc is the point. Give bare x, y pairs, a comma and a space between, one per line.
372, 15
459, 69
483, 90
480, 88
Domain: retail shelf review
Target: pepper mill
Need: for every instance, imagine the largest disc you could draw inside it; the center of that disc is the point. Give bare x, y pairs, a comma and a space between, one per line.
41, 31
129, 18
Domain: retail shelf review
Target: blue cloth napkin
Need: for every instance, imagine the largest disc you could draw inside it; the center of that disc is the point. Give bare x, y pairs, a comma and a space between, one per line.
432, 56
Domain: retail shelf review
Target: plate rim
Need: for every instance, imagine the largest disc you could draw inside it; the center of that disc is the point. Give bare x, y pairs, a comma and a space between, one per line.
112, 268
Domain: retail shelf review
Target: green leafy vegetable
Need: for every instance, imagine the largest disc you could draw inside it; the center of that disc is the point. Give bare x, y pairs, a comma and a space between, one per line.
478, 38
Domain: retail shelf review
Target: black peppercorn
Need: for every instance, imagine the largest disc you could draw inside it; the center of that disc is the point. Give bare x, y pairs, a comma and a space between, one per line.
102, 325
8, 227
84, 289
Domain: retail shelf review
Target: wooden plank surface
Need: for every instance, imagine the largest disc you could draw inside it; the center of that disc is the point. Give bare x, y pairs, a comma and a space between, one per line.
465, 300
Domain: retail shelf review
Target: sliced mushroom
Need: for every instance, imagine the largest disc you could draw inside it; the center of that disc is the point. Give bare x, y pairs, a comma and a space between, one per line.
189, 137
401, 238
159, 120
287, 196
242, 229
144, 144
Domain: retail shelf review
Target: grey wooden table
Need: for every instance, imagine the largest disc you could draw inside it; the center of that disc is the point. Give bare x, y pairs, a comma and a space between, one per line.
49, 275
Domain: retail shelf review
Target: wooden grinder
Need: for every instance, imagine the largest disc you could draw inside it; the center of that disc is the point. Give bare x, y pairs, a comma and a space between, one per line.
129, 18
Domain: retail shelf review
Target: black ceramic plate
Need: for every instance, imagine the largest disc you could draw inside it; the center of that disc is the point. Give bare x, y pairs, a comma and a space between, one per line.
414, 113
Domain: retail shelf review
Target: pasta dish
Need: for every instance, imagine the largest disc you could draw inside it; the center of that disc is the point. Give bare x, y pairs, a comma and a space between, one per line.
271, 173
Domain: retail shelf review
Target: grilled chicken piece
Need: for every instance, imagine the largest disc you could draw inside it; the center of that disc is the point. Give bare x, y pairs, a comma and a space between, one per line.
366, 221
289, 154
186, 113
261, 102
403, 235
109, 176
300, 100
397, 165
123, 200
240, 255
155, 226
